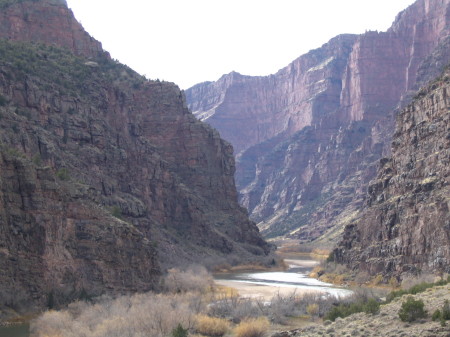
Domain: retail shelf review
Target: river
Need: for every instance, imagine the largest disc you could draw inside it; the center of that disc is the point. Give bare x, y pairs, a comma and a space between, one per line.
267, 284
15, 331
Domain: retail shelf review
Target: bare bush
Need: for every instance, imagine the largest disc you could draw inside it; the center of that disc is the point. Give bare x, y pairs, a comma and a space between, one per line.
234, 307
281, 307
126, 316
362, 277
195, 278
278, 310
411, 281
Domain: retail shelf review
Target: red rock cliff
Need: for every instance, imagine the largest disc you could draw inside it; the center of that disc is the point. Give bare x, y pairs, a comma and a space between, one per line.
308, 137
107, 178
52, 22
404, 228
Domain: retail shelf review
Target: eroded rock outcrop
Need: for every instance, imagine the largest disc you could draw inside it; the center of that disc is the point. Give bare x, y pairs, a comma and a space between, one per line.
405, 226
309, 137
106, 177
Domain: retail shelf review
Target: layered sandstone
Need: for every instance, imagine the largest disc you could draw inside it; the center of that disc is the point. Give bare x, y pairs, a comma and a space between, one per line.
405, 226
308, 137
107, 178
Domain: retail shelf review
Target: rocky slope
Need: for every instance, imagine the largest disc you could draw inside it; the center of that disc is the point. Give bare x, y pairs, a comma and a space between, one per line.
309, 137
386, 323
405, 227
106, 177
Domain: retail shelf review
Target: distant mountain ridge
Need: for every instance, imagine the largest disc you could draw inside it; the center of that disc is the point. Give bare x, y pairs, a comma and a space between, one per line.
308, 138
106, 177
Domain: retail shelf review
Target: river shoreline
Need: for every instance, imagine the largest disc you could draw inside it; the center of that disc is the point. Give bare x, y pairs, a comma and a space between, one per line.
267, 284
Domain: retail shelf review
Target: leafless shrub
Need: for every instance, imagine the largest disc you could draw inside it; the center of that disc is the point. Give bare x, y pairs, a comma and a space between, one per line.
278, 310
133, 316
410, 281
196, 278
362, 277
234, 307
281, 307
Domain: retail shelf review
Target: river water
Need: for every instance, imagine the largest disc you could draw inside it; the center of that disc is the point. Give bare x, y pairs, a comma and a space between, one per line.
15, 331
268, 284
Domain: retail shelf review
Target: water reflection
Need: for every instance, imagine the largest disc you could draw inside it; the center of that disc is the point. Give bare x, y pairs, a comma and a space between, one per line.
295, 278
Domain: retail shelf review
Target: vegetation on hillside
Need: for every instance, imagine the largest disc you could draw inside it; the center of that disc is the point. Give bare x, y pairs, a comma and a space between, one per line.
59, 69
416, 289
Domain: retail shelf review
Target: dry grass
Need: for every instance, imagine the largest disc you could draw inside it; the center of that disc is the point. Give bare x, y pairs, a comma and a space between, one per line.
317, 272
224, 292
211, 326
256, 327
313, 310
320, 253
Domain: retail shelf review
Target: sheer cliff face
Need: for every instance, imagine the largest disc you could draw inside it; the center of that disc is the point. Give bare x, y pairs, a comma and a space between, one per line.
405, 227
106, 177
308, 137
250, 110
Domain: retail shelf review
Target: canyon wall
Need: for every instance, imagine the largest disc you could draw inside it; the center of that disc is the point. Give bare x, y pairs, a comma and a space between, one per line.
405, 226
309, 137
106, 177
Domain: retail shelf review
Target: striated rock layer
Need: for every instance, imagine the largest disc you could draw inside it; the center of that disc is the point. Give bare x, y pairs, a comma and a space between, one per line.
308, 137
405, 226
106, 177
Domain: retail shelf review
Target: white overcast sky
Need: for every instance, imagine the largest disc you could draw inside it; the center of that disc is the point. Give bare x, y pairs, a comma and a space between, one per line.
192, 41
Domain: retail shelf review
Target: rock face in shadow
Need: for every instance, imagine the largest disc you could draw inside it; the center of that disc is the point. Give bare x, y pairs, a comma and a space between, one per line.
106, 177
405, 226
308, 138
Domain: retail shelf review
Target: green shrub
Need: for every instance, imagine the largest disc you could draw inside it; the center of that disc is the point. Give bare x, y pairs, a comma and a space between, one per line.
421, 287
411, 310
63, 174
446, 311
116, 212
436, 315
51, 300
442, 315
179, 331
15, 127
37, 160
3, 100
71, 111
418, 288
370, 306
395, 294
